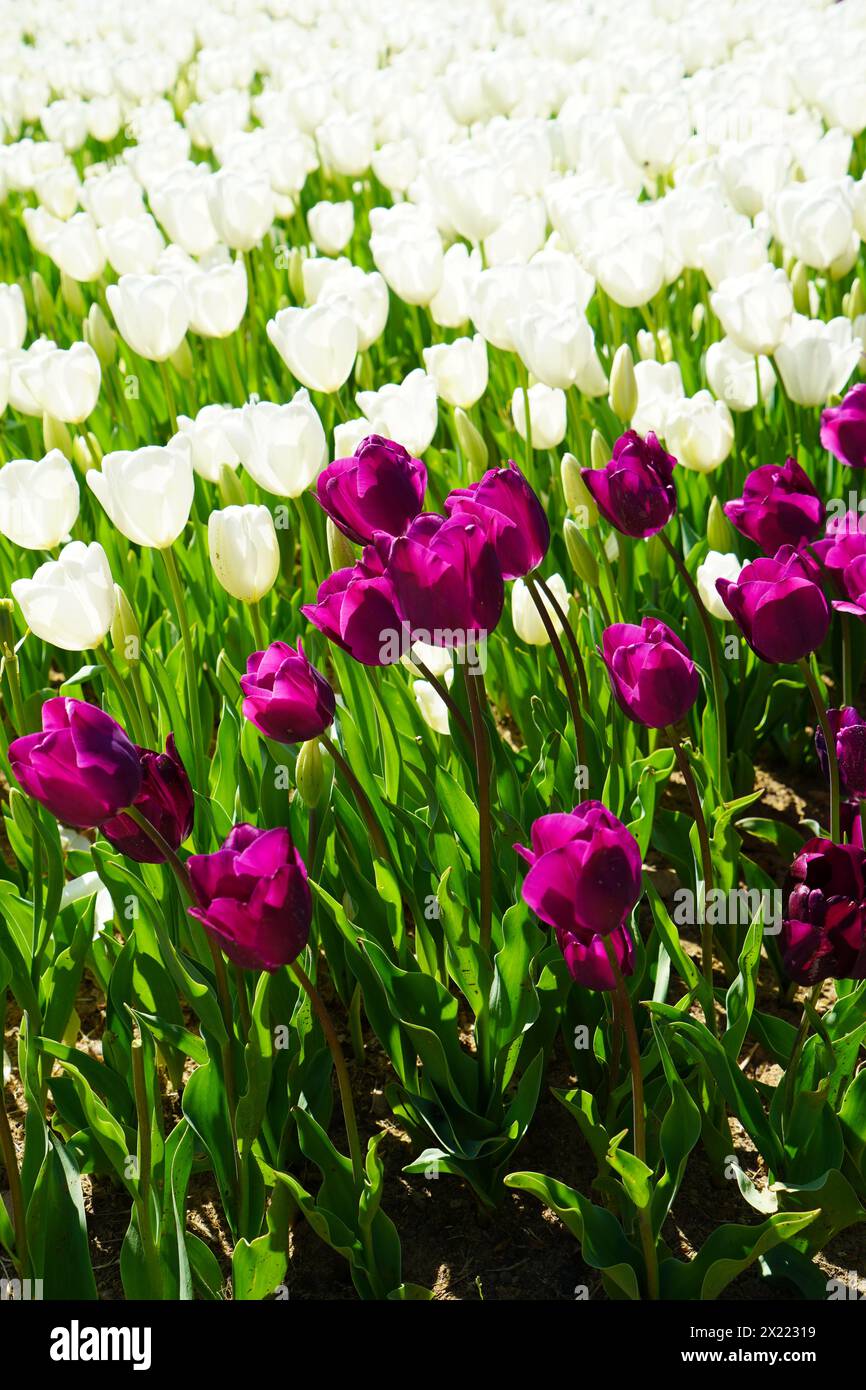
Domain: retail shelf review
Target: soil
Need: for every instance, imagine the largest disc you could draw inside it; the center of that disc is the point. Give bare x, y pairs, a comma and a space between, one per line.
450, 1245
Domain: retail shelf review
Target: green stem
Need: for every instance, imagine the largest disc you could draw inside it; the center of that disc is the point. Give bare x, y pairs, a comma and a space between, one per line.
131, 714
189, 664
796, 1050
475, 693
706, 871
830, 742
786, 402
847, 666
258, 630
571, 693
715, 663
339, 1060
168, 392
10, 666
445, 695
626, 1018
151, 1251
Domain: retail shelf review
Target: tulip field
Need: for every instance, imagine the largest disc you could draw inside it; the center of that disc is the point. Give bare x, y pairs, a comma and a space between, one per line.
433, 651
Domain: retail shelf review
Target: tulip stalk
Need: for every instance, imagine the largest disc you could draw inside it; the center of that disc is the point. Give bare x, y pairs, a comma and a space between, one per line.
713, 653
477, 697
376, 835
444, 695
343, 1079
151, 1249
571, 693
830, 743
189, 662
706, 869
626, 1021
796, 1051
570, 635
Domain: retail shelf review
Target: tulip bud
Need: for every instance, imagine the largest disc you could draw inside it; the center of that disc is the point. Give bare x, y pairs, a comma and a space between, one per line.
655, 557
666, 347
182, 96
7, 636
856, 301
599, 451
231, 489
623, 386
100, 335
699, 313
577, 498
312, 778
56, 436
295, 268
472, 443
583, 562
244, 552
341, 552
720, 535
182, 361
800, 286
125, 632
365, 378
611, 547
42, 300
72, 296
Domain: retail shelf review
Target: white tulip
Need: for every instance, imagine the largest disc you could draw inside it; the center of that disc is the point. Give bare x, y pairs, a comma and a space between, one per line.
363, 295
349, 434
431, 706
331, 226
395, 164
450, 305
244, 552
13, 317
58, 190
546, 415
519, 235
112, 196
407, 250
151, 313
407, 413
554, 343
76, 248
346, 143
39, 501
210, 446
733, 375
659, 388
318, 345
217, 299
132, 244
282, 447
24, 380
242, 207
66, 383
70, 601
815, 359
437, 660
755, 309
458, 370
497, 301
699, 432
716, 566
814, 221
526, 618
147, 493
181, 204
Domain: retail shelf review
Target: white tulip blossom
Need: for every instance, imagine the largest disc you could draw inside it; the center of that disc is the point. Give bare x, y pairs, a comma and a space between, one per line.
407, 412
715, 566
39, 501
458, 370
244, 552
318, 345
547, 415
147, 493
525, 617
70, 602
282, 447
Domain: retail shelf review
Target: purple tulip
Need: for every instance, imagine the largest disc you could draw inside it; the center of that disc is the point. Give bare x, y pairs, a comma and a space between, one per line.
779, 506
447, 579
81, 766
843, 428
357, 609
585, 872
166, 800
587, 959
651, 672
253, 897
511, 515
778, 605
380, 488
849, 731
844, 540
635, 492
824, 927
285, 696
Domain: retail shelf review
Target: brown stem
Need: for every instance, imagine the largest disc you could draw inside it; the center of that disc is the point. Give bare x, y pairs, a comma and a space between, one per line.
444, 694
570, 636
571, 693
339, 1060
361, 796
